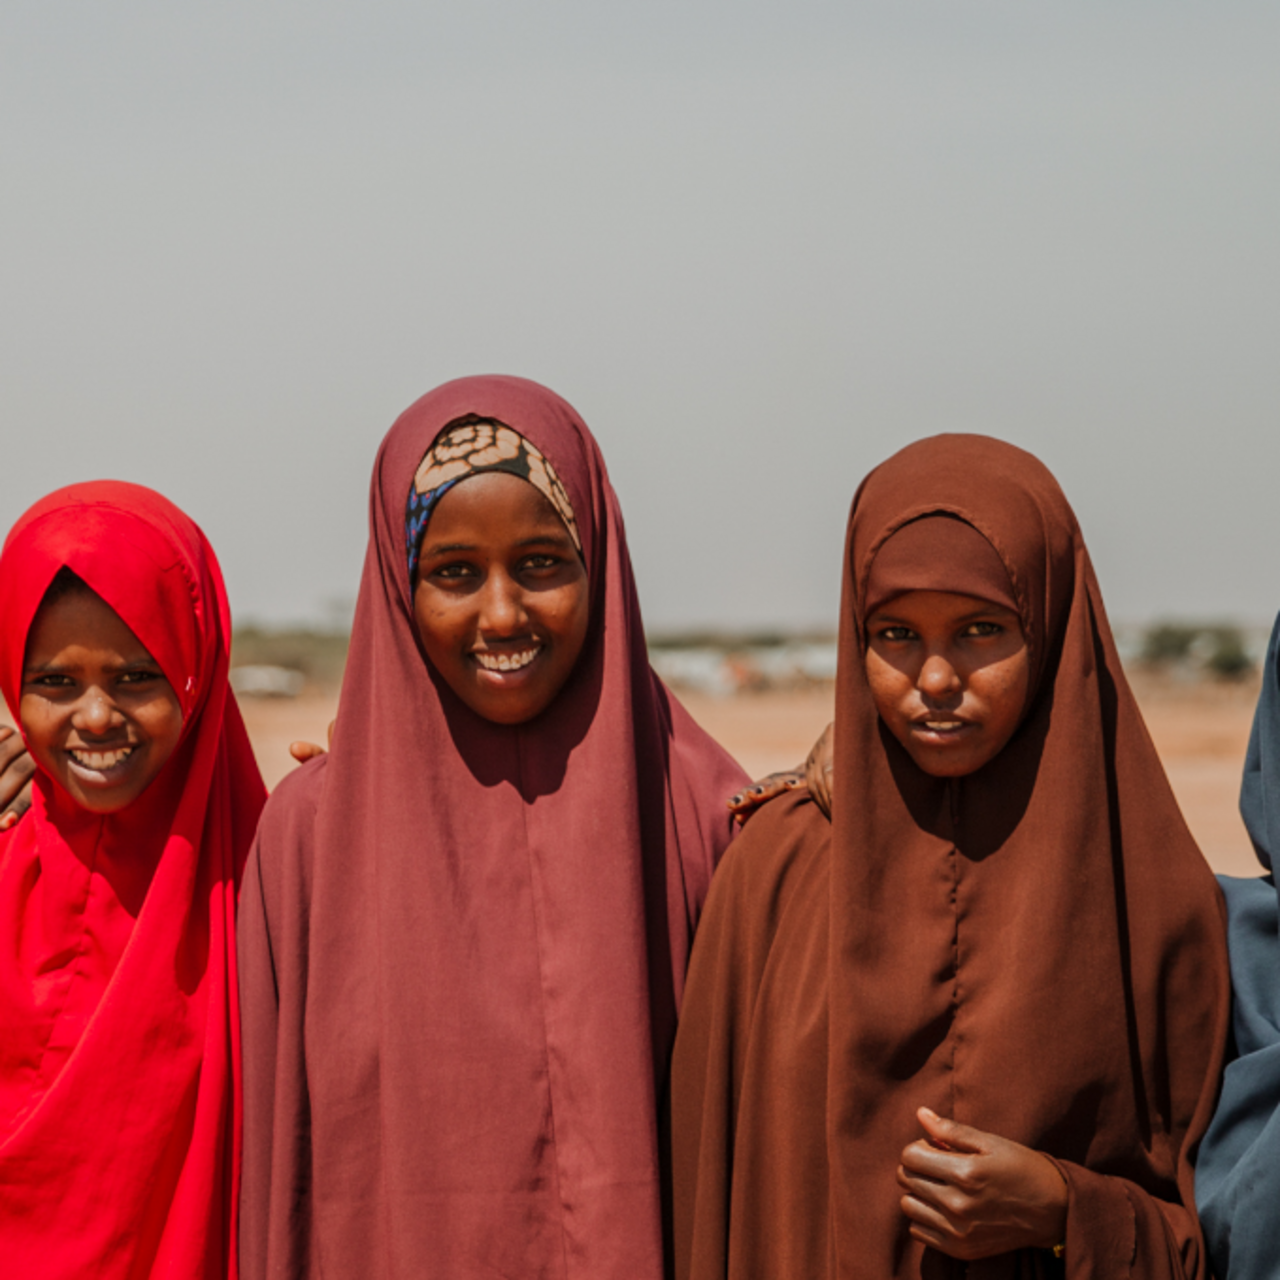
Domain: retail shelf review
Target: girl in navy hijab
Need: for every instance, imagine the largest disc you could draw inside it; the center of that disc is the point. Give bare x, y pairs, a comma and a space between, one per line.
1238, 1171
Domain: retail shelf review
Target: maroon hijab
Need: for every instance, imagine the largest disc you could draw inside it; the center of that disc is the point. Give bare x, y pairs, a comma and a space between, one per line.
464, 944
1036, 950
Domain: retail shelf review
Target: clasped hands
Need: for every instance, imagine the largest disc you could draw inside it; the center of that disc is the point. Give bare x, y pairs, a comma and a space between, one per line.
971, 1194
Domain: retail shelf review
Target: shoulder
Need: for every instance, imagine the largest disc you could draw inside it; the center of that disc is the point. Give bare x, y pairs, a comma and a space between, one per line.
296, 797
1253, 942
781, 854
283, 850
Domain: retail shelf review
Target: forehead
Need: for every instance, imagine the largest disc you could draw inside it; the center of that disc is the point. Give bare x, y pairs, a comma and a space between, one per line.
939, 608
492, 507
79, 619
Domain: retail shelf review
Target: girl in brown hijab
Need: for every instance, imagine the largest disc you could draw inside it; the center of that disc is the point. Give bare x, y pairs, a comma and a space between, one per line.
979, 1015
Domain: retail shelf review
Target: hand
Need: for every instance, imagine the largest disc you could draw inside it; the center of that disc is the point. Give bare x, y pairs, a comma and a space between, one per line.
746, 802
303, 751
16, 768
972, 1195
817, 771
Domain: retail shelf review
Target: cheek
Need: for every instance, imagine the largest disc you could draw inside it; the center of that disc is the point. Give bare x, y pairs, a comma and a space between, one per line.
161, 720
1006, 693
573, 618
39, 720
888, 686
439, 621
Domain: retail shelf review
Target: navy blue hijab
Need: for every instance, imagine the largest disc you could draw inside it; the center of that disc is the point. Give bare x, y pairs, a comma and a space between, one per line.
1238, 1171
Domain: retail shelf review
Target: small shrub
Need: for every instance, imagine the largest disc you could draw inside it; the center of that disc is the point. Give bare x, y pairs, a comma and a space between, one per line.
1168, 642
1228, 658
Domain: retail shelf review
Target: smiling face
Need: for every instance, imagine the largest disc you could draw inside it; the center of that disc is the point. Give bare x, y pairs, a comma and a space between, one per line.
98, 714
501, 597
950, 676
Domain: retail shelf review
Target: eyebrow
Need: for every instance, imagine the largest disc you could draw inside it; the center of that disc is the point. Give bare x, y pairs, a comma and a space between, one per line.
66, 668
882, 615
451, 548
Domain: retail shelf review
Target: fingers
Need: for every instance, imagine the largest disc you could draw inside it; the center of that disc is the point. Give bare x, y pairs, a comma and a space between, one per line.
16, 768
923, 1160
928, 1216
951, 1135
304, 751
933, 1226
329, 739
750, 799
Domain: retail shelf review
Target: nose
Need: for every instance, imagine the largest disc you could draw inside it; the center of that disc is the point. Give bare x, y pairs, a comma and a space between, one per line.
502, 611
97, 714
938, 678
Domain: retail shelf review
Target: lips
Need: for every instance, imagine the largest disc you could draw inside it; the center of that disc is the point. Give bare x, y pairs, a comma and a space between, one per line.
516, 661
941, 729
99, 766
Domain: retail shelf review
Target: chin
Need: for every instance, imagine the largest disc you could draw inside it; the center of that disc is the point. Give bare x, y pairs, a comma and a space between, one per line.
944, 768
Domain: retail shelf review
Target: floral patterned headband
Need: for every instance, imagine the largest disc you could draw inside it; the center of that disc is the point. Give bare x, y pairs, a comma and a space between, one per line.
471, 446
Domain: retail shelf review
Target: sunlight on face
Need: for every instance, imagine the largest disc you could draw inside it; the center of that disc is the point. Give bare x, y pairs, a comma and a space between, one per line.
950, 676
501, 601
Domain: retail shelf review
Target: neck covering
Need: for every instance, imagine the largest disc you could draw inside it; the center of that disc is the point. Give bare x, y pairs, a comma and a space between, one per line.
119, 1054
1035, 949
1238, 1171
463, 945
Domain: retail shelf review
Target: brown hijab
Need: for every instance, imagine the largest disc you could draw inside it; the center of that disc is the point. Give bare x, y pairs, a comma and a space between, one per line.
463, 944
1036, 949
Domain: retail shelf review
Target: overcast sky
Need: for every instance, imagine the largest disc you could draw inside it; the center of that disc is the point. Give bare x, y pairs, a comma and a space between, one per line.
760, 246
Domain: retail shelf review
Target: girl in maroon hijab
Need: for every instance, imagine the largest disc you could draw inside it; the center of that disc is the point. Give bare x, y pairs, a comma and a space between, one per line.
978, 1017
465, 929
119, 1054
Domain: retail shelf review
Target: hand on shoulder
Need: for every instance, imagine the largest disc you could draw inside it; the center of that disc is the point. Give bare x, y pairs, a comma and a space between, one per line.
16, 770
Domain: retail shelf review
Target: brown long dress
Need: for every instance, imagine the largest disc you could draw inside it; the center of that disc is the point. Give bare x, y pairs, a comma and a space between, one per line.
1036, 949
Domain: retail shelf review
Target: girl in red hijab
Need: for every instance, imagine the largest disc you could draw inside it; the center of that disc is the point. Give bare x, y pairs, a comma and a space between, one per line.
973, 1023
464, 930
119, 1044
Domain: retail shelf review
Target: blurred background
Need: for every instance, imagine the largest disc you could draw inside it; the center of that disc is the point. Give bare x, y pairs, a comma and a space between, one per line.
760, 246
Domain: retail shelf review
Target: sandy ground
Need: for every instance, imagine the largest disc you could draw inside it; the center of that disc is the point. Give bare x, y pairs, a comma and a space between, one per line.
1200, 731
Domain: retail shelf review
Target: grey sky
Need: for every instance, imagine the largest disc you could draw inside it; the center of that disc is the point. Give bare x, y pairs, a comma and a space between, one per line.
759, 246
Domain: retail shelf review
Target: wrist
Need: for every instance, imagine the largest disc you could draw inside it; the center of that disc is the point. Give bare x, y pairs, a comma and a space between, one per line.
1058, 1197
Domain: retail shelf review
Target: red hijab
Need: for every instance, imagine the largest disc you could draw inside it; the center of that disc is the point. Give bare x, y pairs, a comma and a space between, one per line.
119, 1041
463, 944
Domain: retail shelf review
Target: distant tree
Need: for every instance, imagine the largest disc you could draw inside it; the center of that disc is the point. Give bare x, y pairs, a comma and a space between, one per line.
1228, 658
1217, 648
1168, 642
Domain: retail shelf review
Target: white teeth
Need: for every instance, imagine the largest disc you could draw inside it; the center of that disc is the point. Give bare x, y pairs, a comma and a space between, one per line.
101, 759
507, 661
942, 724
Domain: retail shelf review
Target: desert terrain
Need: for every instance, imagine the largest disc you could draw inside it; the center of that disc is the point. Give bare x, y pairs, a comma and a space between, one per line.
1200, 729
